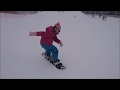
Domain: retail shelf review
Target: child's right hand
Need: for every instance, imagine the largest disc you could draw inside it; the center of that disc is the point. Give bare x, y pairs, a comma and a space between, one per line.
32, 34
61, 44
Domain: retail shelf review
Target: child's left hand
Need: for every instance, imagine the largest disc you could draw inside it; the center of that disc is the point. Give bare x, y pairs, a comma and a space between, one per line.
60, 43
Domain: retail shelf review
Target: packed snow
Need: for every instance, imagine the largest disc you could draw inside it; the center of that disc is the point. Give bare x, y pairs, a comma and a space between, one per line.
90, 46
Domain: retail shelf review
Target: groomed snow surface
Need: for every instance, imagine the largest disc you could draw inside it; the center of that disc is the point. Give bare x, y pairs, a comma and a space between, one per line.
90, 46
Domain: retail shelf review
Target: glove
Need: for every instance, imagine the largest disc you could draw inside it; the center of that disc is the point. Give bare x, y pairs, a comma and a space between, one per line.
60, 43
32, 33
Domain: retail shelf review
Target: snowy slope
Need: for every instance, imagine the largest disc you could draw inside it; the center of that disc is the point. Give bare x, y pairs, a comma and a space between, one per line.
90, 47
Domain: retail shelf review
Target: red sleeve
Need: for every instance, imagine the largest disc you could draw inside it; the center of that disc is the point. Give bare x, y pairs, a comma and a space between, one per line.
39, 33
56, 40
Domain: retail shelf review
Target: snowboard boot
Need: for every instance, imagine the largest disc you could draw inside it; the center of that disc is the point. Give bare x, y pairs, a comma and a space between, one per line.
58, 60
46, 56
57, 64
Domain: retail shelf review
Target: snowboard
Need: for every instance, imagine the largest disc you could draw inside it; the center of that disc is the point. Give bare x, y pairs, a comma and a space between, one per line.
58, 66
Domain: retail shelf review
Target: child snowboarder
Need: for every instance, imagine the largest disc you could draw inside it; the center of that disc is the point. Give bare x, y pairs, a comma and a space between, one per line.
47, 38
103, 18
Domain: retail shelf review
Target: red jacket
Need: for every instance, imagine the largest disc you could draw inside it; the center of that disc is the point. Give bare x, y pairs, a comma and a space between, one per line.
48, 36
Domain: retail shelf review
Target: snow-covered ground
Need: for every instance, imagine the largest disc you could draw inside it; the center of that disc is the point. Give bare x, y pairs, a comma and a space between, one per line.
90, 47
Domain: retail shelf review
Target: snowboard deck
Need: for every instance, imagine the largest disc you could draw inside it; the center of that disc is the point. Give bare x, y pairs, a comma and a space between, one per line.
58, 66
